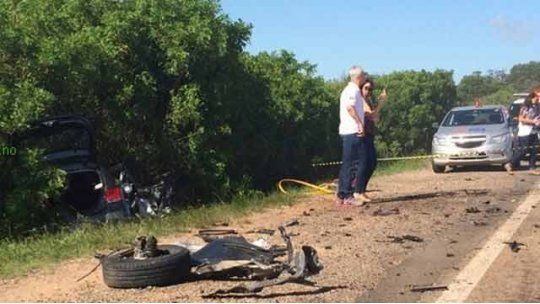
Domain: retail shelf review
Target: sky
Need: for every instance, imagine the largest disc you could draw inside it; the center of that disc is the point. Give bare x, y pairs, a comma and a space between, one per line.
384, 36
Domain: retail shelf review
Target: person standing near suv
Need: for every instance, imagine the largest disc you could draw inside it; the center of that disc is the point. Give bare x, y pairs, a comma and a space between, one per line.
527, 136
351, 130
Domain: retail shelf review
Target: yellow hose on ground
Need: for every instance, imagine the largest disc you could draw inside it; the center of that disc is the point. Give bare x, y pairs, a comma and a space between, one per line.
324, 188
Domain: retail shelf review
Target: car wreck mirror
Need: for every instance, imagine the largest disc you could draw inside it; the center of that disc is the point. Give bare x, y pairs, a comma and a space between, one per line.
435, 125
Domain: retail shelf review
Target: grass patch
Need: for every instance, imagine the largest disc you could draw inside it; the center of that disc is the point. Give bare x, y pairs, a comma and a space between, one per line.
397, 166
19, 257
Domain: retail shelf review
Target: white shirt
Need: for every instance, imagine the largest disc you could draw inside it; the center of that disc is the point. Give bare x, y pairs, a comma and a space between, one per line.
526, 129
350, 96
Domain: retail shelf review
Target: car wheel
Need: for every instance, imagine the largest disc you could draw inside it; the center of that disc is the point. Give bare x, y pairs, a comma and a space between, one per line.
123, 271
437, 168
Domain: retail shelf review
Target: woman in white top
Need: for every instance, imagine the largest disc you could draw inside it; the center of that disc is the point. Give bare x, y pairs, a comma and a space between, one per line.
527, 136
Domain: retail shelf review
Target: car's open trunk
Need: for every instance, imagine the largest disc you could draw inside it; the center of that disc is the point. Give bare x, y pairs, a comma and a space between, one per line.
81, 193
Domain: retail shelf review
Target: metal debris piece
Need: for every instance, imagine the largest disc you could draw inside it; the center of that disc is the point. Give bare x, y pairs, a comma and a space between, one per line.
306, 263
515, 246
217, 231
348, 219
210, 235
382, 212
406, 237
472, 210
278, 250
262, 243
305, 213
423, 288
145, 247
292, 222
192, 248
249, 269
479, 223
263, 231
298, 268
231, 249
493, 210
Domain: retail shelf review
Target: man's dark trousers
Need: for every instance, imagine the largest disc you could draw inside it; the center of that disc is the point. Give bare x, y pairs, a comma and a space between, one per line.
354, 149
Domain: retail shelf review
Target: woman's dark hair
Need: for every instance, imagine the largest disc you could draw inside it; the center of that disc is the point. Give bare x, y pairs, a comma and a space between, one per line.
366, 81
528, 100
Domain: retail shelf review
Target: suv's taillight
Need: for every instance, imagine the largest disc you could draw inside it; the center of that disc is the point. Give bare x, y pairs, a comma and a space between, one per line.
113, 194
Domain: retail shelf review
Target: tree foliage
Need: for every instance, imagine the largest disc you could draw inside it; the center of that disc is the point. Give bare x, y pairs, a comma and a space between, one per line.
497, 87
416, 100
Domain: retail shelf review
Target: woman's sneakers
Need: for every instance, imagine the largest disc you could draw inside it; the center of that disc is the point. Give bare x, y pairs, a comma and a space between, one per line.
362, 197
534, 172
508, 168
351, 201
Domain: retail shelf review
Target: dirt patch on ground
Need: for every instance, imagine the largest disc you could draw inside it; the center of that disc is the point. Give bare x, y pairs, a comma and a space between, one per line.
353, 244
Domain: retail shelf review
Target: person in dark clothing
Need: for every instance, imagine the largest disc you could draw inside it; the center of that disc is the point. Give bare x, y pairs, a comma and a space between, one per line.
371, 118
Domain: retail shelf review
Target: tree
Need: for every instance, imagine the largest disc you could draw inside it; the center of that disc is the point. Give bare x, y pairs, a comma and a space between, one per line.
477, 85
524, 76
416, 100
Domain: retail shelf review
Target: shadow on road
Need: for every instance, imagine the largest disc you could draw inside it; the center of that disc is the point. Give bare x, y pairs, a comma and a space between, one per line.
320, 290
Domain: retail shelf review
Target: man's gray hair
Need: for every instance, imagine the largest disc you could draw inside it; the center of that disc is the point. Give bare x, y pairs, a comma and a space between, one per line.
355, 71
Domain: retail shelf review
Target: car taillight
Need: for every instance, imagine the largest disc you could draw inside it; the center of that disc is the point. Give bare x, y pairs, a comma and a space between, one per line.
113, 194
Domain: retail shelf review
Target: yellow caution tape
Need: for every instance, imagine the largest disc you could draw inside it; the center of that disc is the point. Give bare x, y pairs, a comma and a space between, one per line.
474, 153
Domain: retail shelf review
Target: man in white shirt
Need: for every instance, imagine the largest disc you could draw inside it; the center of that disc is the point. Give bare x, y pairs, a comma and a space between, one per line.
351, 130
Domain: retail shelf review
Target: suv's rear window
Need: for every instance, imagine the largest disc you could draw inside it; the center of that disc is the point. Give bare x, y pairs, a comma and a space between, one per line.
474, 117
59, 139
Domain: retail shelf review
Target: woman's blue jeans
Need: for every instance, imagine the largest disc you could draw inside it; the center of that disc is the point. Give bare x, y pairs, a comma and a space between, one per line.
362, 178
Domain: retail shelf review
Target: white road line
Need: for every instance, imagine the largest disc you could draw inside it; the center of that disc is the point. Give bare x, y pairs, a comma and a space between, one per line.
464, 283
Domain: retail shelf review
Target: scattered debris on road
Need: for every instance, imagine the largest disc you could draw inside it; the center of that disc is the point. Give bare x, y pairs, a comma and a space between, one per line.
262, 231
472, 210
493, 210
479, 223
382, 212
292, 222
406, 237
515, 246
424, 288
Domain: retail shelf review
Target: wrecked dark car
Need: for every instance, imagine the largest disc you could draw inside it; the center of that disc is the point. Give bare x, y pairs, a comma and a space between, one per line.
68, 143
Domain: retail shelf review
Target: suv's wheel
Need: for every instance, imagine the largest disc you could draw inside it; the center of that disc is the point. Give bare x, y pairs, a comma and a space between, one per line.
123, 271
437, 168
